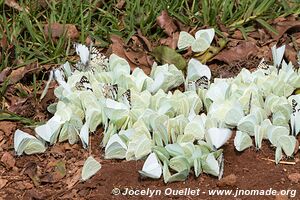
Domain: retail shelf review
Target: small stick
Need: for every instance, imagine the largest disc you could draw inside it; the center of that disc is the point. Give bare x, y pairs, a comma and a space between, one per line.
280, 162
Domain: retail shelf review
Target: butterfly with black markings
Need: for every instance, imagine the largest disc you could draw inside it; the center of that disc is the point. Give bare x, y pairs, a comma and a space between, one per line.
264, 66
202, 82
110, 91
91, 59
83, 84
126, 97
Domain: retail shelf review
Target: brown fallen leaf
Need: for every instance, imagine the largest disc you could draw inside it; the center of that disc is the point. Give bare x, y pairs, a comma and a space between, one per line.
135, 57
285, 26
4, 73
170, 41
117, 46
57, 30
120, 4
237, 35
242, 51
58, 174
147, 45
8, 160
8, 127
166, 23
18, 73
31, 170
15, 5
290, 54
2, 183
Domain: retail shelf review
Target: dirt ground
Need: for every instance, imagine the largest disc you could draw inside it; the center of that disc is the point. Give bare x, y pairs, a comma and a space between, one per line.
36, 177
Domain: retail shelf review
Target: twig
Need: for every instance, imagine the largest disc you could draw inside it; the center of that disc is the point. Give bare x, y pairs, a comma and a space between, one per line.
280, 162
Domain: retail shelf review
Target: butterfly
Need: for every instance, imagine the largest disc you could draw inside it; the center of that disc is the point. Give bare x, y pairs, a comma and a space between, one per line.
202, 82
294, 106
83, 84
110, 91
199, 43
90, 58
90, 168
263, 65
151, 167
98, 60
277, 54
126, 97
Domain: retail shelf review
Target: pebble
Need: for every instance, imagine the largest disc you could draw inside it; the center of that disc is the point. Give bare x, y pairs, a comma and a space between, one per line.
229, 180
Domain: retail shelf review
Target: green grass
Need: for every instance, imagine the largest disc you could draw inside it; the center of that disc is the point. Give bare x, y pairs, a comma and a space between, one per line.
99, 19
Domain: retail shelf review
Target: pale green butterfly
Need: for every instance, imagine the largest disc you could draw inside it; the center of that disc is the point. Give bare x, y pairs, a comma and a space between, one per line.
242, 141
115, 148
90, 168
151, 167
217, 137
23, 142
199, 43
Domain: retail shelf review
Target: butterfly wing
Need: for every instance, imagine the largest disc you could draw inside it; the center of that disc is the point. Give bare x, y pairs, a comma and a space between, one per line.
83, 53
185, 40
207, 34
90, 168
200, 45
217, 137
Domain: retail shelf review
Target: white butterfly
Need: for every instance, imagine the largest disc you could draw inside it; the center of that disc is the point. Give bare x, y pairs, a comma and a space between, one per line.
90, 168
50, 131
83, 84
217, 137
198, 75
210, 165
277, 54
151, 167
58, 76
295, 116
199, 43
242, 141
23, 142
115, 148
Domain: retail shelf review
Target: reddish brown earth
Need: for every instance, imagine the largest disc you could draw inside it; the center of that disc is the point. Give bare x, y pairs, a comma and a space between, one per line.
247, 170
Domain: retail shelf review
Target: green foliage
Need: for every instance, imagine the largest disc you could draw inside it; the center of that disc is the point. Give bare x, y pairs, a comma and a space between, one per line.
101, 18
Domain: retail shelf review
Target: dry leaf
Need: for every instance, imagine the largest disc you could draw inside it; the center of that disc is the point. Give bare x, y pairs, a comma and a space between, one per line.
170, 41
8, 160
242, 51
286, 26
58, 174
2, 183
166, 23
15, 5
294, 177
147, 45
4, 74
290, 54
8, 127
32, 171
164, 54
57, 30
120, 4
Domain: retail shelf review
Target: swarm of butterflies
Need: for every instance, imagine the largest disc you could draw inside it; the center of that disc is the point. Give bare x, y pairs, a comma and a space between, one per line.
175, 132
